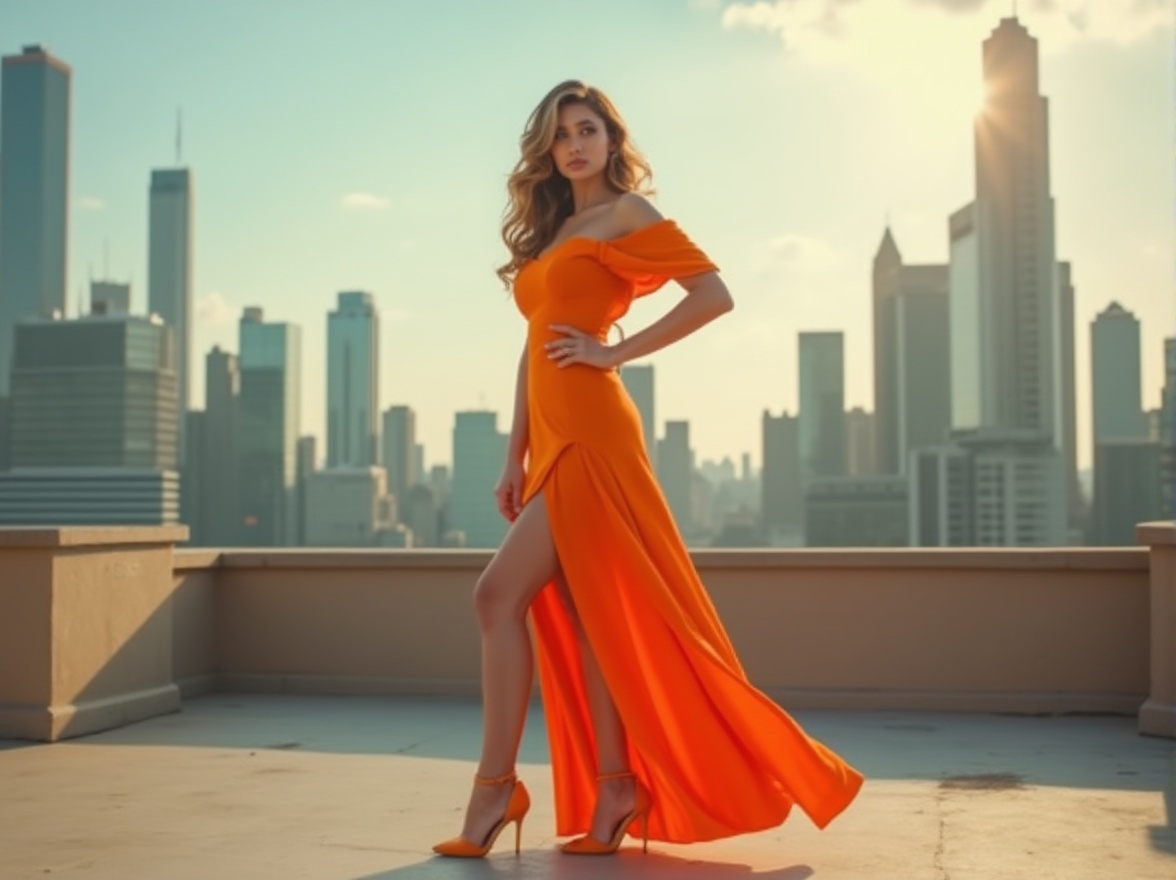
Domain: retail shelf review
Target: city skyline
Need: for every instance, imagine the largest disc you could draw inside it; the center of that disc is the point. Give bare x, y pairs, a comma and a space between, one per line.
805, 268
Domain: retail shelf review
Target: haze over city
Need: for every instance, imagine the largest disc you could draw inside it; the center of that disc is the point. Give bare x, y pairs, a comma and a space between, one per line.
365, 146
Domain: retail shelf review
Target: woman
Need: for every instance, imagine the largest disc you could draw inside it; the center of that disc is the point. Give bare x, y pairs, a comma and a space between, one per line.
652, 724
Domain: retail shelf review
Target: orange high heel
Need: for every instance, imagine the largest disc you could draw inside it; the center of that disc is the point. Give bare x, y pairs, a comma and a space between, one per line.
516, 809
590, 846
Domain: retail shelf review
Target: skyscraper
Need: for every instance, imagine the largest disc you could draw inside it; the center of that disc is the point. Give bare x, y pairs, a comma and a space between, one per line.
93, 423
675, 470
1007, 357
267, 439
1127, 489
861, 443
1075, 503
1116, 379
940, 513
822, 404
169, 269
912, 364
1168, 430
1018, 381
638, 381
34, 192
782, 505
479, 452
353, 382
306, 466
220, 526
400, 454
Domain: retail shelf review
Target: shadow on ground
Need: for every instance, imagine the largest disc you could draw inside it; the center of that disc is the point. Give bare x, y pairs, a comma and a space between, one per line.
555, 866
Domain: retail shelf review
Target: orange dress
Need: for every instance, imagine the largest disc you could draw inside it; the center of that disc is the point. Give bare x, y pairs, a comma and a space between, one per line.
719, 757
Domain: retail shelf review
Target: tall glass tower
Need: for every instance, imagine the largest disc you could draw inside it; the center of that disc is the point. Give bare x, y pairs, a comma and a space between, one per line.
268, 424
822, 404
1011, 376
34, 181
169, 269
353, 382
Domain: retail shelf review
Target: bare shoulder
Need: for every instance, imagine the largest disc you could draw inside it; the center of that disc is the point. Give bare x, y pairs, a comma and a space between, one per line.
632, 211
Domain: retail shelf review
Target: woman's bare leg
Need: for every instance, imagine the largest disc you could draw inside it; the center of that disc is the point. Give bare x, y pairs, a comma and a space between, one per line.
525, 562
615, 797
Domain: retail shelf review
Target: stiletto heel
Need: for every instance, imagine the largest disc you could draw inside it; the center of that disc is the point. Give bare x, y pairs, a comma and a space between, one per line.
516, 809
590, 846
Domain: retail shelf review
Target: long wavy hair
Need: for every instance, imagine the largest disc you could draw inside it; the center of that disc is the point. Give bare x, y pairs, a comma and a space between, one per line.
540, 198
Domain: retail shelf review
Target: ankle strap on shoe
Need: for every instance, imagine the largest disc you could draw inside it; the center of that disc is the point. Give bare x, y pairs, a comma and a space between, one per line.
625, 774
495, 780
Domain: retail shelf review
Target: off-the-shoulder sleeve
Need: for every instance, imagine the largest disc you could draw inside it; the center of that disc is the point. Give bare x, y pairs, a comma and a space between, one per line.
653, 255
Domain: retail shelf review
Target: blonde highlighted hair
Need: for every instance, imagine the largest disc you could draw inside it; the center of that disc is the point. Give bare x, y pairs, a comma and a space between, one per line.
540, 198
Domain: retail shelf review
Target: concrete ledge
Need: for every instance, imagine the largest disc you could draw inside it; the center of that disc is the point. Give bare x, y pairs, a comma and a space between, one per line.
1156, 533
1001, 558
90, 536
196, 560
1158, 716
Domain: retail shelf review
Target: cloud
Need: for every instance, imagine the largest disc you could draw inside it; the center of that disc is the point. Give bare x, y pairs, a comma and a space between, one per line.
90, 203
801, 252
832, 31
214, 310
362, 201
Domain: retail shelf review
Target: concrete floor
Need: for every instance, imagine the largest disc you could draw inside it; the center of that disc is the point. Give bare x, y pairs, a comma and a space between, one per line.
343, 788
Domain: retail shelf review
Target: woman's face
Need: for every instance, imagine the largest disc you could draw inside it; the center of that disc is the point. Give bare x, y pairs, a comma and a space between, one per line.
581, 145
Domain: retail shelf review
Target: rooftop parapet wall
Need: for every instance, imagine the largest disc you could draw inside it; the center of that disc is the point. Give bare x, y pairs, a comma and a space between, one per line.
101, 627
85, 628
1157, 717
973, 630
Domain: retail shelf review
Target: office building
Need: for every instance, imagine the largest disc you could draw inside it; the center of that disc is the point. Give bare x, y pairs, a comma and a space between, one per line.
638, 381
479, 453
1167, 431
940, 497
912, 363
213, 463
1075, 501
1116, 376
861, 443
1008, 370
675, 473
856, 512
1127, 490
822, 405
399, 454
782, 499
93, 423
347, 507
353, 382
34, 192
169, 269
269, 418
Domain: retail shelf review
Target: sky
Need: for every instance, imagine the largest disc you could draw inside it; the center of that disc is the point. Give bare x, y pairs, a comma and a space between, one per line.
365, 145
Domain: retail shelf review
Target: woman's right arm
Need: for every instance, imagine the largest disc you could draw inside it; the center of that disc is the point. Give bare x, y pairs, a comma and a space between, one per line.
509, 490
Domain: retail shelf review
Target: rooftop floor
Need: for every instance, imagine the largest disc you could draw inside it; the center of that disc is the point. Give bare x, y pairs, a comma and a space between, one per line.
350, 788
